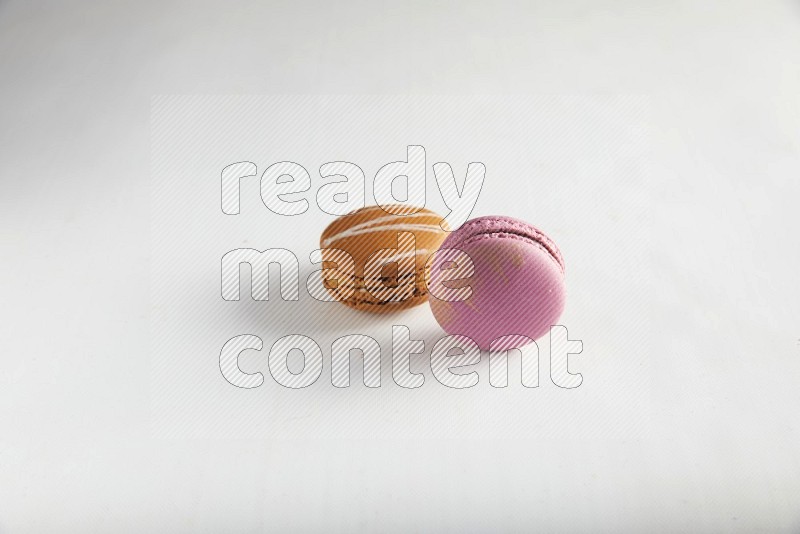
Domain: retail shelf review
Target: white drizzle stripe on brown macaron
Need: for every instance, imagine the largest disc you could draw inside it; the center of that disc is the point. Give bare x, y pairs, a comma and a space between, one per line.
350, 232
388, 218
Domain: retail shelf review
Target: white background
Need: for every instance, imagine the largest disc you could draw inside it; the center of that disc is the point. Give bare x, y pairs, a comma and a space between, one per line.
713, 439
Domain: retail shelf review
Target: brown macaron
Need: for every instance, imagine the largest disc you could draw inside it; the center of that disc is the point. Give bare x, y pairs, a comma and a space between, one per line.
389, 254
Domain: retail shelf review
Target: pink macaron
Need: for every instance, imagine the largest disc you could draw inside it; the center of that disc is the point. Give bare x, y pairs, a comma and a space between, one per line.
517, 286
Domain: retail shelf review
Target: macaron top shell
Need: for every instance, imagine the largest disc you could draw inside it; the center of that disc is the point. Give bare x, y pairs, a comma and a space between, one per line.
500, 226
364, 231
517, 285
